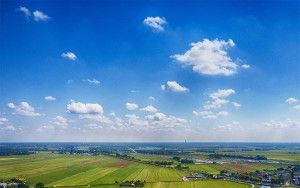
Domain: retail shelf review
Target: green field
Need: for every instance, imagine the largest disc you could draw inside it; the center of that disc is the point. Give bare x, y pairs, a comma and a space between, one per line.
97, 171
233, 167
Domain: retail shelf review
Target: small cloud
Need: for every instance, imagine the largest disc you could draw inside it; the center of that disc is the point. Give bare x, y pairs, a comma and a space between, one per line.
150, 109
151, 98
236, 105
175, 87
69, 55
24, 10
163, 87
297, 107
50, 98
3, 120
40, 16
291, 100
156, 23
209, 57
210, 114
246, 66
131, 106
60, 121
84, 108
222, 93
134, 91
23, 109
92, 81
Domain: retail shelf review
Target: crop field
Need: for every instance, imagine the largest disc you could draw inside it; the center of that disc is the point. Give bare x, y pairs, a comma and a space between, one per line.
63, 170
97, 171
280, 155
198, 184
233, 167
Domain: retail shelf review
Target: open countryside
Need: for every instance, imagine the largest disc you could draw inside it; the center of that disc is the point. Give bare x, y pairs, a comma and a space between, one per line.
56, 170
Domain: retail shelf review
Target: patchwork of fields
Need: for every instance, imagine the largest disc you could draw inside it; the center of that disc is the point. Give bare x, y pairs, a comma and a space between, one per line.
99, 171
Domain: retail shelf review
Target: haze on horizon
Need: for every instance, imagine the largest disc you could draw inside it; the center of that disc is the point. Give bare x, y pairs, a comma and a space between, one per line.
149, 71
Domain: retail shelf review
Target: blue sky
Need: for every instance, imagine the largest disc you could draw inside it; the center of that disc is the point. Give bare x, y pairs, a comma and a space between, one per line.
149, 71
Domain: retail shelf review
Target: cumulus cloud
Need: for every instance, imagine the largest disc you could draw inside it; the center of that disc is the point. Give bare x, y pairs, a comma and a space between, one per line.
25, 10
156, 23
218, 98
135, 120
93, 81
40, 16
163, 87
246, 66
236, 105
222, 93
50, 98
292, 100
175, 87
3, 120
60, 121
69, 55
84, 108
23, 109
210, 114
209, 57
131, 106
149, 108
160, 119
37, 15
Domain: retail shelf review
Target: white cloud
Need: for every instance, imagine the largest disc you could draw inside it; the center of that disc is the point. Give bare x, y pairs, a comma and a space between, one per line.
222, 113
131, 106
205, 114
222, 93
40, 16
69, 55
94, 126
229, 126
282, 124
135, 120
156, 23
151, 98
163, 120
210, 114
3, 120
297, 107
60, 121
163, 87
23, 109
175, 87
218, 98
9, 128
236, 105
93, 81
98, 118
291, 100
50, 98
25, 10
84, 108
246, 66
149, 108
209, 57
216, 103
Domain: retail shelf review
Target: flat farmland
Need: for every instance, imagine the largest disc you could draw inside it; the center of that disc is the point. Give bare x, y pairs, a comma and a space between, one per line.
233, 167
76, 170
